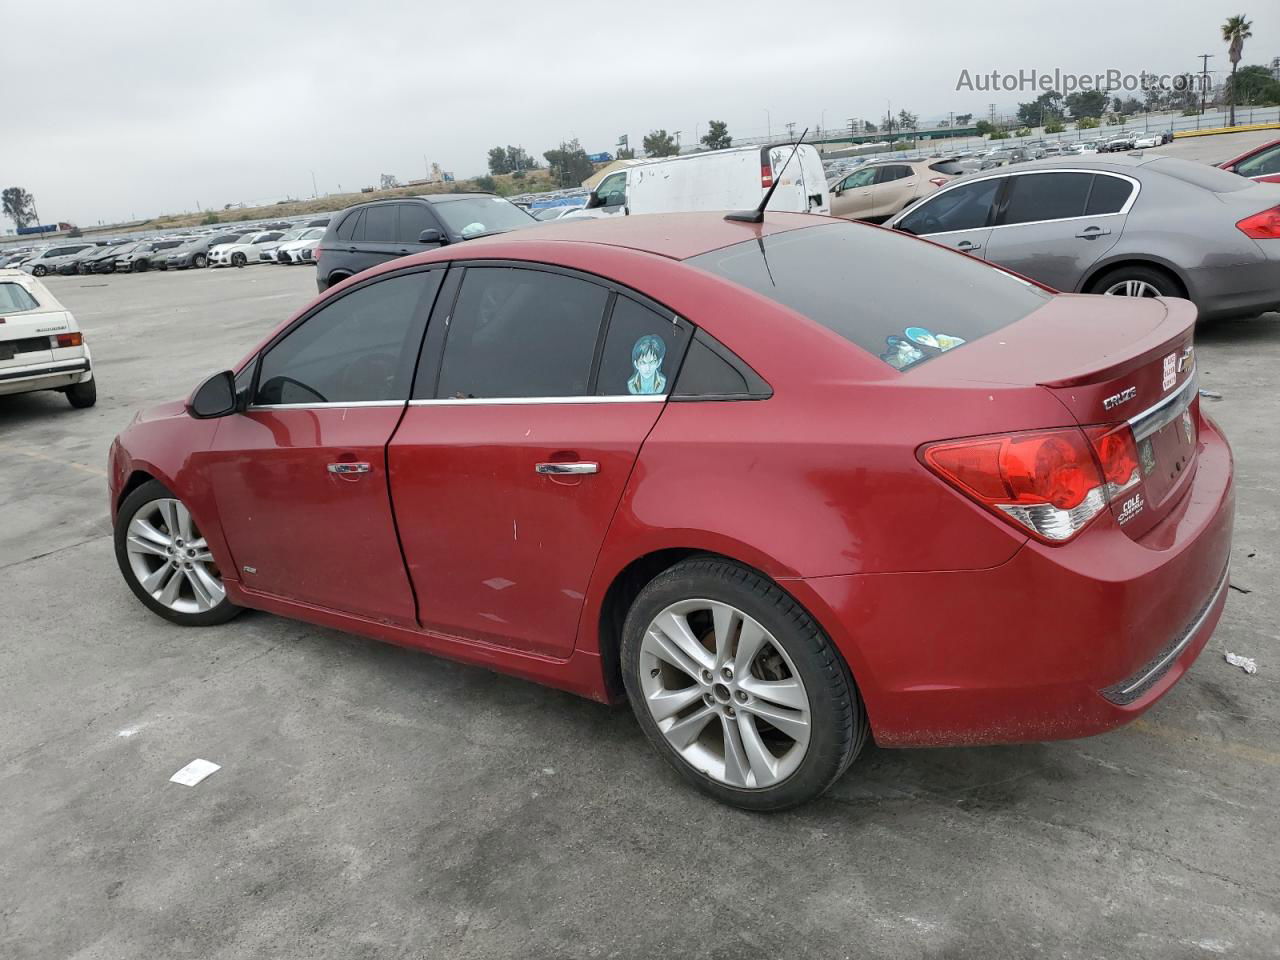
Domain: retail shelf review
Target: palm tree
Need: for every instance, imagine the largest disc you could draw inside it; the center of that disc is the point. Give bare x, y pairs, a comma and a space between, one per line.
1234, 33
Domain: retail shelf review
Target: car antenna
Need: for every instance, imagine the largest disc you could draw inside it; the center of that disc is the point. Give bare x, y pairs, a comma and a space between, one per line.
757, 215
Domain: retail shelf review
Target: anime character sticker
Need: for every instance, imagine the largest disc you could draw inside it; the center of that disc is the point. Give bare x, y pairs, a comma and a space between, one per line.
646, 357
939, 341
900, 353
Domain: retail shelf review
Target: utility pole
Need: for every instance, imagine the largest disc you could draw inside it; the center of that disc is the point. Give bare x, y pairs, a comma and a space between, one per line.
1204, 78
791, 130
677, 143
315, 191
853, 128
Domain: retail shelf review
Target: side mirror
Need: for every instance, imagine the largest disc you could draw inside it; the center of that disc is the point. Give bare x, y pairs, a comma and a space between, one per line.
594, 201
431, 236
216, 397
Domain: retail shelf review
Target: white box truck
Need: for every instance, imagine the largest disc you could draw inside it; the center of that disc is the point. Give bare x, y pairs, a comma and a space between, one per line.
733, 179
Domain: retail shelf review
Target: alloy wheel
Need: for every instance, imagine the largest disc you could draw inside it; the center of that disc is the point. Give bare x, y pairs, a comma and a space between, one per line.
171, 560
1132, 288
725, 694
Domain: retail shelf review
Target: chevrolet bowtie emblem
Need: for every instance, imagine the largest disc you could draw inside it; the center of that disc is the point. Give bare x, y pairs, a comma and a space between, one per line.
1187, 358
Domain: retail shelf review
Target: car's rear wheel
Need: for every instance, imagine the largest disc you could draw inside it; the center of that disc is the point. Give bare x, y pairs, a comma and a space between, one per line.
199, 261
166, 560
737, 687
1137, 281
82, 395
239, 260
39, 270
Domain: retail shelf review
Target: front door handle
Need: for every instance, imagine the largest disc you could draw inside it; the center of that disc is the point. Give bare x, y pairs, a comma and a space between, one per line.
564, 469
346, 468
966, 246
1088, 233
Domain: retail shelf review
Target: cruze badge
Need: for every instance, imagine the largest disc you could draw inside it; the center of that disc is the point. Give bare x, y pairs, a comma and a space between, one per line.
1124, 396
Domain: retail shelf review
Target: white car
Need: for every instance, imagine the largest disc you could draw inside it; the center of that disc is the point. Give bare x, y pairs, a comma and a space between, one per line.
1147, 142
556, 212
247, 251
47, 260
292, 244
41, 348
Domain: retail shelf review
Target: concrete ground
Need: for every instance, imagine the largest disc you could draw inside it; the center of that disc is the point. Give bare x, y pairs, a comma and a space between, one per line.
374, 802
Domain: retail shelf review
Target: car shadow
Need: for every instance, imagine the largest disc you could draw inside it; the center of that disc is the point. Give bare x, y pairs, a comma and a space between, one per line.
20, 409
1242, 331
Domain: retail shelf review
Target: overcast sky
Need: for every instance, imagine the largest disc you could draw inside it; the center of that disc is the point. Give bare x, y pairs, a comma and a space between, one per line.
123, 110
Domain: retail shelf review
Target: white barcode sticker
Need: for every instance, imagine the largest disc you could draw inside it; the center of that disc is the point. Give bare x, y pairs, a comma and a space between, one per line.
1170, 371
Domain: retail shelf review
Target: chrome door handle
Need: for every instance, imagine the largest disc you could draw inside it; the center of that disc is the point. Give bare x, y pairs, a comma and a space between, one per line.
966, 246
561, 469
342, 468
1088, 233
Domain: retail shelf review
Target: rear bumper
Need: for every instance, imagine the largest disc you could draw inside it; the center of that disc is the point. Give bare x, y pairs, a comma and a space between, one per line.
46, 376
1056, 643
1239, 290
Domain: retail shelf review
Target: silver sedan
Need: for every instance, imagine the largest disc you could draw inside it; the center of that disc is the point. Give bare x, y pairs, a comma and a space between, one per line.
1127, 224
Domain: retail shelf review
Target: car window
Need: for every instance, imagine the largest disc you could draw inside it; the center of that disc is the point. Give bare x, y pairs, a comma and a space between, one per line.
966, 207
642, 351
381, 223
1045, 196
521, 333
863, 178
820, 272
612, 190
414, 218
712, 371
1260, 164
893, 172
1108, 195
473, 216
15, 299
353, 349
352, 228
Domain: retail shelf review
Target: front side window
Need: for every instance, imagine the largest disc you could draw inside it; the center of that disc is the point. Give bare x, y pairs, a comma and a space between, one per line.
354, 349
1046, 196
863, 178
414, 218
1260, 164
15, 299
642, 351
613, 190
521, 333
967, 207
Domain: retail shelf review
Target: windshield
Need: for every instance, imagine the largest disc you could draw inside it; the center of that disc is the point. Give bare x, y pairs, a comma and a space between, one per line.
858, 282
473, 216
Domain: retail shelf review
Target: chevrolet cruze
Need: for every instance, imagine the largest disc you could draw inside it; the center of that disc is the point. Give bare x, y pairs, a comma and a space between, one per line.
783, 485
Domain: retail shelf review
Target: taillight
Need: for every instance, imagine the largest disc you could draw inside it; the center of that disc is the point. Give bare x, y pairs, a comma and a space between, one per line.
766, 173
68, 339
938, 181
1262, 226
1049, 482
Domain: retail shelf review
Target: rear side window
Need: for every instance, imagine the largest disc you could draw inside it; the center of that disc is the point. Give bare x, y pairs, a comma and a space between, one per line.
521, 333
1046, 196
381, 223
966, 207
347, 229
1199, 175
414, 218
712, 372
864, 284
1109, 195
15, 299
894, 172
642, 351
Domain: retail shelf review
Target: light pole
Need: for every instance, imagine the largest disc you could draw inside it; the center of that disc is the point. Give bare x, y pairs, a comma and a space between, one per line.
768, 124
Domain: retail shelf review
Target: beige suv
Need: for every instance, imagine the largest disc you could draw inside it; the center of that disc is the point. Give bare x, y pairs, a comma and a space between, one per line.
879, 190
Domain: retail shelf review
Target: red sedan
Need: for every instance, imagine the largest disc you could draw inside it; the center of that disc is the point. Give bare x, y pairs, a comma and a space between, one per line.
1261, 163
782, 485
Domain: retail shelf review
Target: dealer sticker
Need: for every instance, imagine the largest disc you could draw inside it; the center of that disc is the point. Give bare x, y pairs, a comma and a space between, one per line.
1170, 371
1130, 509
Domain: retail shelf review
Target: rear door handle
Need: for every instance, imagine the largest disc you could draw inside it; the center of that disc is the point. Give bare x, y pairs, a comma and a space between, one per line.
562, 469
1088, 233
966, 245
345, 468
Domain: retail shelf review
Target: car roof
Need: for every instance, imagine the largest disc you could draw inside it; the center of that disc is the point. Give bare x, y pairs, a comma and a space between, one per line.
1125, 161
677, 236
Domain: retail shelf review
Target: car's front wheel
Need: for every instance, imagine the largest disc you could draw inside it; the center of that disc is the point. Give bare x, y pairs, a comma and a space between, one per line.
166, 560
239, 260
39, 270
200, 261
738, 687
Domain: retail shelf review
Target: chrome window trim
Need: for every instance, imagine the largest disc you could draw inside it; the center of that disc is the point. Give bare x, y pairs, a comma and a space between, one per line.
1122, 212
323, 406
1160, 414
493, 401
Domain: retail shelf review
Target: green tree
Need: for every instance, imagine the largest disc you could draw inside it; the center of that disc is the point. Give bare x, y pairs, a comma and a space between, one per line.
210, 218
486, 183
869, 127
499, 162
717, 136
1054, 126
1087, 123
1234, 33
984, 127
1253, 85
1129, 105
19, 206
518, 159
569, 164
964, 119
907, 120
659, 143
1039, 110
1086, 103
626, 153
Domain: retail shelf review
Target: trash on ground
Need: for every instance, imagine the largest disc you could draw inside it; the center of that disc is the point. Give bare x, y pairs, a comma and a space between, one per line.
1247, 664
197, 770
1211, 394
1240, 588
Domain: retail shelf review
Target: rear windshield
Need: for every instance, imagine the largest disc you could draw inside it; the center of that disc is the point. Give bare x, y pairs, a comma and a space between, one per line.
474, 216
897, 297
1201, 175
14, 299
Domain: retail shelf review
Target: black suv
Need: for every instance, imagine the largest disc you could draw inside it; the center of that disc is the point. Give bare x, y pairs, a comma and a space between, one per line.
368, 234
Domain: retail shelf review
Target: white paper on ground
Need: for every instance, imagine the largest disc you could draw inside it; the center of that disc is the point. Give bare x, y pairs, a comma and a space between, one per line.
194, 772
1247, 664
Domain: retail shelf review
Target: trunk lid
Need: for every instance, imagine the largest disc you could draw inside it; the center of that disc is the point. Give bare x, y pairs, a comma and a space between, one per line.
25, 337
1109, 361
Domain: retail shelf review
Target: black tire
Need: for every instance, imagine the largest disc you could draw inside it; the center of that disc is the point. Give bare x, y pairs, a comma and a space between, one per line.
39, 270
239, 259
83, 395
839, 724
83, 269
199, 261
149, 491
139, 266
1162, 281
